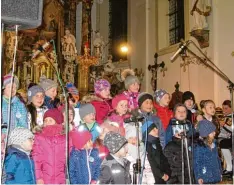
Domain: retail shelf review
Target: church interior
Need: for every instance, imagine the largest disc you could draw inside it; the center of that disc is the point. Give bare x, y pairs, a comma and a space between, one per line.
175, 45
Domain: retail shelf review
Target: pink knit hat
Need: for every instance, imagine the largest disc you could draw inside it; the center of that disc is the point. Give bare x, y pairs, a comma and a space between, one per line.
55, 114
101, 85
80, 138
7, 80
117, 99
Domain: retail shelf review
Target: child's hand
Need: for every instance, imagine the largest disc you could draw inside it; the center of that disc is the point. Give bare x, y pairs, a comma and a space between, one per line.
40, 181
165, 177
93, 182
200, 181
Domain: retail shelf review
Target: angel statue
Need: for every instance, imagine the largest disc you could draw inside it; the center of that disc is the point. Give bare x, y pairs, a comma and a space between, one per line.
109, 66
69, 46
99, 44
201, 9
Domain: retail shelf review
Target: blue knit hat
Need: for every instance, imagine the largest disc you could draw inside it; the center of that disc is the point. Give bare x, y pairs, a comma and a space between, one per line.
148, 126
159, 94
205, 127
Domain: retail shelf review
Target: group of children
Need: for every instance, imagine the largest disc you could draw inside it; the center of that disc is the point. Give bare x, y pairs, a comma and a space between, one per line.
172, 146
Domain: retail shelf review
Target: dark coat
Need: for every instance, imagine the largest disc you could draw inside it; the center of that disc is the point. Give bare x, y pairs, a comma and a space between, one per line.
19, 167
112, 172
158, 162
173, 153
80, 166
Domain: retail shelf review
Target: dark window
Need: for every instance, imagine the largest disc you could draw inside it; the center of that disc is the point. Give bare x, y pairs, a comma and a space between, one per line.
118, 20
176, 21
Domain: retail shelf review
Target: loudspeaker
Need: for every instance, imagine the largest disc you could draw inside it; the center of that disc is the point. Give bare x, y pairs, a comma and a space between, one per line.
26, 13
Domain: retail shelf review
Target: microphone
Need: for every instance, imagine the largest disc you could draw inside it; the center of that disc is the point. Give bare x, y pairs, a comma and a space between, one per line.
136, 117
181, 48
40, 49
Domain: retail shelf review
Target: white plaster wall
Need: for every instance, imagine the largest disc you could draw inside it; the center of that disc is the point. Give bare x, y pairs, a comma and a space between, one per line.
198, 79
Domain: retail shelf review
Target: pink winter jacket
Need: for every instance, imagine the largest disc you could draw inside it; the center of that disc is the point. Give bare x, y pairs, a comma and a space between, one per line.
49, 155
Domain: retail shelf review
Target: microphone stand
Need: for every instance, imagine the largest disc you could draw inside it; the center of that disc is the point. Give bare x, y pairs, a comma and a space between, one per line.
221, 74
184, 143
137, 165
66, 112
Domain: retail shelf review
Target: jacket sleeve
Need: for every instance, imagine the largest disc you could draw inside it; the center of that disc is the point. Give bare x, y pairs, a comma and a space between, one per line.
37, 154
198, 161
22, 121
97, 166
11, 164
105, 176
73, 166
161, 134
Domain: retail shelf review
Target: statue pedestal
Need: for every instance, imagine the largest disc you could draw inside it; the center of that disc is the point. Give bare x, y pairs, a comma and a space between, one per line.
83, 80
202, 37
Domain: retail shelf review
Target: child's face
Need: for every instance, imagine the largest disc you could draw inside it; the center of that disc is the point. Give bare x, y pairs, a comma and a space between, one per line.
165, 100
212, 135
49, 121
181, 113
122, 107
123, 151
134, 87
89, 118
105, 93
154, 132
88, 145
8, 90
52, 92
28, 144
38, 99
132, 140
226, 110
209, 109
147, 106
189, 104
70, 116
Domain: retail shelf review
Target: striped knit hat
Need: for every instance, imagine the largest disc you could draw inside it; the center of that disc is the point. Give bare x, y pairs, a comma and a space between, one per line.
7, 80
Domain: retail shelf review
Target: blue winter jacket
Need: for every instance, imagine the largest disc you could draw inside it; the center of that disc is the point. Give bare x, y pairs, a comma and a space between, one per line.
19, 114
84, 166
19, 167
95, 130
150, 117
207, 165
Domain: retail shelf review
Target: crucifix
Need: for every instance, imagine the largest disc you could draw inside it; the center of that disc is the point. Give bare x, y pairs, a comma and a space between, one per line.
154, 70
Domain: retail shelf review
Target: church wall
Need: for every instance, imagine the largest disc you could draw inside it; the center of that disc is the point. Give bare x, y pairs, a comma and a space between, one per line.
197, 78
141, 37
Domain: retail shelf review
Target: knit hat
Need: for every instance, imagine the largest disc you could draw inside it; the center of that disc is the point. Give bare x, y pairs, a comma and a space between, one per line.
7, 80
117, 99
159, 94
114, 142
129, 80
205, 127
19, 135
144, 96
86, 109
131, 131
188, 96
47, 84
32, 91
80, 138
55, 114
101, 85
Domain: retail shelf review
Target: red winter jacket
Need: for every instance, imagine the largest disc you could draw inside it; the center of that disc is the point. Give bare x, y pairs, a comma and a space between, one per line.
103, 108
49, 155
164, 114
